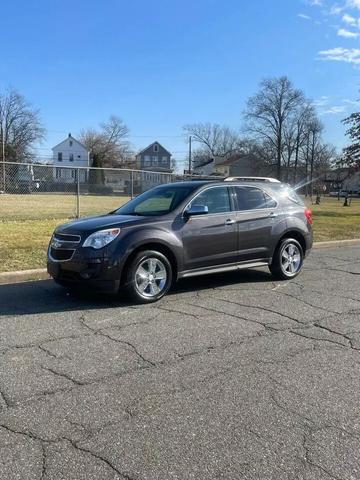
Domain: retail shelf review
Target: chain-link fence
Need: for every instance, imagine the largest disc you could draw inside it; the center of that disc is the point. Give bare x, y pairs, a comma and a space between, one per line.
33, 191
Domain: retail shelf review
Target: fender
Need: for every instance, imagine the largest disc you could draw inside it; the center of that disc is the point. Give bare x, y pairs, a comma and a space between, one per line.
133, 239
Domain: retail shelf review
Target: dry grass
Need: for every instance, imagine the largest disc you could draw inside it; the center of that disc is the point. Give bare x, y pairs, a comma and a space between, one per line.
48, 206
333, 221
23, 243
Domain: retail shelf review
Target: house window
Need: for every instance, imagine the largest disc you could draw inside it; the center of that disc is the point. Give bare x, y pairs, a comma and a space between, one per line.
71, 143
156, 148
164, 159
59, 156
147, 161
155, 160
71, 157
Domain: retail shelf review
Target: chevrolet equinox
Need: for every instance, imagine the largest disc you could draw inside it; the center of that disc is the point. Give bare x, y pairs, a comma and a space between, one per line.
184, 229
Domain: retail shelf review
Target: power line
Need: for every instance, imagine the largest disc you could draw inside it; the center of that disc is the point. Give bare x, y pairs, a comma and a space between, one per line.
126, 137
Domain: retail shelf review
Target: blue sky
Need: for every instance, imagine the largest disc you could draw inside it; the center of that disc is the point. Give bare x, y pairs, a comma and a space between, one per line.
159, 64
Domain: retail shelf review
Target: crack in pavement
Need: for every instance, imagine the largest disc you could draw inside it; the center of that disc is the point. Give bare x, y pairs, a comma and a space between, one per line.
328, 340
42, 442
301, 300
255, 308
311, 462
63, 375
40, 345
103, 459
124, 342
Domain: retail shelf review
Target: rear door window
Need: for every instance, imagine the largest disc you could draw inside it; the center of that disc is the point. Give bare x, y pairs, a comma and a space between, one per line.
251, 198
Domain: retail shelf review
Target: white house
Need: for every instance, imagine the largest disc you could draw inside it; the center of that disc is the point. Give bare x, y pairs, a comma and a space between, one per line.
70, 153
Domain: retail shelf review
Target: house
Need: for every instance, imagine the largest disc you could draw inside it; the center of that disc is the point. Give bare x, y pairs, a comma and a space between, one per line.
157, 160
70, 153
230, 166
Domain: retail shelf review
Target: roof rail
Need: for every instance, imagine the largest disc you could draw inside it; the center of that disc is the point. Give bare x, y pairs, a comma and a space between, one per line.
251, 179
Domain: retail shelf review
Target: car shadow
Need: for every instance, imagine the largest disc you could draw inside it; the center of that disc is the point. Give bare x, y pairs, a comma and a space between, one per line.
44, 296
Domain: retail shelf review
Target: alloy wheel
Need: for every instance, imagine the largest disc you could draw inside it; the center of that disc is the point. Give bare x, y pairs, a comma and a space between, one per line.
290, 259
150, 277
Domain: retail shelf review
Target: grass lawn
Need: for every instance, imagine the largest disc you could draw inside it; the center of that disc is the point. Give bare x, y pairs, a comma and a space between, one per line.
333, 221
48, 205
23, 243
27, 222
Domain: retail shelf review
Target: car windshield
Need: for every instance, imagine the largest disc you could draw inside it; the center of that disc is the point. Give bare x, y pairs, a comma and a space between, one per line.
157, 201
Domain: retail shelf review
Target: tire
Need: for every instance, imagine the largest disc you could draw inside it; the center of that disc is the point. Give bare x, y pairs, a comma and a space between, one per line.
148, 277
288, 259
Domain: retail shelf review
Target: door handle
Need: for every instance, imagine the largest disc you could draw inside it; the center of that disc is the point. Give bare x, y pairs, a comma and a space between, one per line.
273, 215
229, 221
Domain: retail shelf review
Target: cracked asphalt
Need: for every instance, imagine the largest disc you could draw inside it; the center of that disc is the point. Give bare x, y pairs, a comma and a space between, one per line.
232, 376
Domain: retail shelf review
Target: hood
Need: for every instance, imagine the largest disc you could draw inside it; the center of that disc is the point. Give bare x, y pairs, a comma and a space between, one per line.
92, 224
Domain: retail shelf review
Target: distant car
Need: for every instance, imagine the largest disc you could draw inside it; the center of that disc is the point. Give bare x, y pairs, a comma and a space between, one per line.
184, 229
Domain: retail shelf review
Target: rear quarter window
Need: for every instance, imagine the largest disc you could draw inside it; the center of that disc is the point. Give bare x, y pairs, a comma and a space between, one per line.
253, 198
285, 192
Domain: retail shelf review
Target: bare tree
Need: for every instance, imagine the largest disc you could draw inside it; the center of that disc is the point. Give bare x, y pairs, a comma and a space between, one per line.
315, 151
20, 127
217, 140
303, 118
108, 146
269, 110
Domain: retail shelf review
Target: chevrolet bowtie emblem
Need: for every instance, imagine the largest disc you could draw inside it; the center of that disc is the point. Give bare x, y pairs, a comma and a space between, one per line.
56, 244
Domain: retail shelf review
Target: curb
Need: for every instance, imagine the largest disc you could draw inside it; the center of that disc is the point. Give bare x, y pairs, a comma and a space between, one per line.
23, 276
41, 273
336, 243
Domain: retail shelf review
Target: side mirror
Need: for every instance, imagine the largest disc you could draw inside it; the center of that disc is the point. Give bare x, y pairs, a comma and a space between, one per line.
196, 210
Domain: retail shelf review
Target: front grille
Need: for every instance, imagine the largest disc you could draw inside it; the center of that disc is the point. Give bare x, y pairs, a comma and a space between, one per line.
61, 255
64, 237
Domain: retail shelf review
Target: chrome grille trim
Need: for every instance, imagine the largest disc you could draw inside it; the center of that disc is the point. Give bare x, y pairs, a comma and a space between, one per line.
64, 260
76, 238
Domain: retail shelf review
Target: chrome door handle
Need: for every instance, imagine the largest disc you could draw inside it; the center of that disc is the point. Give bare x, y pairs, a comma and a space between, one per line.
273, 215
229, 221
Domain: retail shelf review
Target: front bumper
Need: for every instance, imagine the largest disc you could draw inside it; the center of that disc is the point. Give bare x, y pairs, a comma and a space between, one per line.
99, 274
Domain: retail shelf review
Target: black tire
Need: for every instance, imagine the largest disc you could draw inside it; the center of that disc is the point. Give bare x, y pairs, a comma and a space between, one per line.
133, 278
278, 264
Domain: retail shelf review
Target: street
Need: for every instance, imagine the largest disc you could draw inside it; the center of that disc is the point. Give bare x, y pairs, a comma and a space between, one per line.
230, 376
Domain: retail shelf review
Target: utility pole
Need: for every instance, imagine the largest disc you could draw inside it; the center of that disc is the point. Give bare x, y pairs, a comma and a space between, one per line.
3, 152
190, 155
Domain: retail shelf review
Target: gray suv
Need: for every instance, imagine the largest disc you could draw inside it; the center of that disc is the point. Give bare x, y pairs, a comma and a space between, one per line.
180, 230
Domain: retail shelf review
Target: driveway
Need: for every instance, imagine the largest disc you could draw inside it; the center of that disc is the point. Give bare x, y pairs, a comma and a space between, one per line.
229, 377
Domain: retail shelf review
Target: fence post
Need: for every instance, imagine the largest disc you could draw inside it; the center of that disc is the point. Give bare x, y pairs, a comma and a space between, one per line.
78, 193
4, 175
132, 184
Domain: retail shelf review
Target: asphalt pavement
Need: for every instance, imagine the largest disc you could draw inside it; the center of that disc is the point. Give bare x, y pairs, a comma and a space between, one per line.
231, 376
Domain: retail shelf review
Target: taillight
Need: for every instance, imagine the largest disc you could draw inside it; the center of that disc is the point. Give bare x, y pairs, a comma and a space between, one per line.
308, 215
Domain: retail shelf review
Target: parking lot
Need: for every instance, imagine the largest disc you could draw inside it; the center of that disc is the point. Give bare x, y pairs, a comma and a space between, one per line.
232, 376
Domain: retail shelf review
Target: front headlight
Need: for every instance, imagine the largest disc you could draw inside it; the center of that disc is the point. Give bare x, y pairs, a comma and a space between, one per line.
101, 238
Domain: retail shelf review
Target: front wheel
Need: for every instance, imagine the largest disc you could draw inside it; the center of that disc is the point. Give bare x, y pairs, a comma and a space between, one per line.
287, 260
148, 277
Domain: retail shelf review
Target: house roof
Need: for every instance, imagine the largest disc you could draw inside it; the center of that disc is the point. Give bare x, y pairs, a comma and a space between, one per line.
149, 146
73, 139
232, 159
202, 164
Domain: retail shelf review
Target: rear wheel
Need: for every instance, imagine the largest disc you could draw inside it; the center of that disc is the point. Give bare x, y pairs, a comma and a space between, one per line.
148, 277
287, 260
